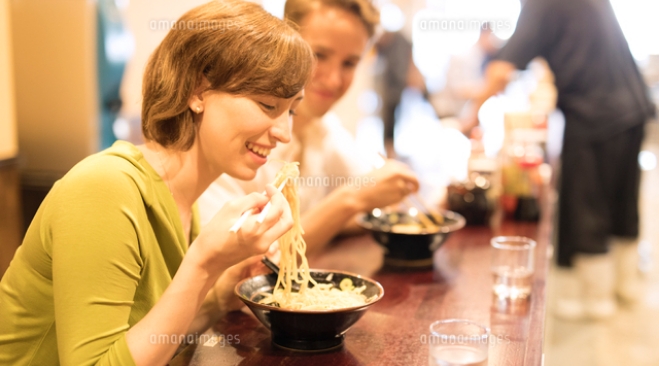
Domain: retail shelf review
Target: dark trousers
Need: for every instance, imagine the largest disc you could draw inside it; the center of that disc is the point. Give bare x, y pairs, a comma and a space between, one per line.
599, 190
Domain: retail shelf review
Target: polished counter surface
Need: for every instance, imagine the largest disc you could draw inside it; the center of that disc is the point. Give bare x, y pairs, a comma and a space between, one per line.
394, 331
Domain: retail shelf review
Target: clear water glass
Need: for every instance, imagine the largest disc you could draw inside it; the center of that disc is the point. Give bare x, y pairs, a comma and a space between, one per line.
458, 342
512, 266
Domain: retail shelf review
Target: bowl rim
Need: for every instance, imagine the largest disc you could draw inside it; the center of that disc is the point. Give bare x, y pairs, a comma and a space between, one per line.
459, 223
341, 310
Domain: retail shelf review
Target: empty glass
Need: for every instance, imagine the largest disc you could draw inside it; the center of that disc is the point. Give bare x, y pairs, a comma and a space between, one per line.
458, 342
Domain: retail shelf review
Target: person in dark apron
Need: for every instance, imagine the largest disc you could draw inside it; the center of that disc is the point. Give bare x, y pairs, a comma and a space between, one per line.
606, 104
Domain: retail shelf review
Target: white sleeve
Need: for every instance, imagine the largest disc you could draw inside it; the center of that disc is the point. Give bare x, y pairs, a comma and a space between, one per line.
221, 191
344, 156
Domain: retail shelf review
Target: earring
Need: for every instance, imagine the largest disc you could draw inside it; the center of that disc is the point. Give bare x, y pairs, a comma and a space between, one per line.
198, 109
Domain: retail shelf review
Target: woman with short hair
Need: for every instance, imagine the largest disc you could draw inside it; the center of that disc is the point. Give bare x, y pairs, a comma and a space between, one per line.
114, 269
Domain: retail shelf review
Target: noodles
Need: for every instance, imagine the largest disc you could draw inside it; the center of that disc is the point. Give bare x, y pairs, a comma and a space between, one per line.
323, 296
295, 289
411, 228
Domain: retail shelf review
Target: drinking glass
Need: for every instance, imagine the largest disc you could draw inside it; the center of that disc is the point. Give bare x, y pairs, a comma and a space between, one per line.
512, 266
458, 342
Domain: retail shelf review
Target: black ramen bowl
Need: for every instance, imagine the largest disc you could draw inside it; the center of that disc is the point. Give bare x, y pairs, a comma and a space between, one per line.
407, 243
307, 330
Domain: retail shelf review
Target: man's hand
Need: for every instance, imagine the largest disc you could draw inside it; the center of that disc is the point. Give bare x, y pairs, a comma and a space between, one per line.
497, 75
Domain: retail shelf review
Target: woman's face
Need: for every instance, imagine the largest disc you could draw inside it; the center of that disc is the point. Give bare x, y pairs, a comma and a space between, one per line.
236, 133
338, 38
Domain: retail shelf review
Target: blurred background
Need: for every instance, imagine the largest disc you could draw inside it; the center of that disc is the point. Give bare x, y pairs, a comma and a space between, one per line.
70, 85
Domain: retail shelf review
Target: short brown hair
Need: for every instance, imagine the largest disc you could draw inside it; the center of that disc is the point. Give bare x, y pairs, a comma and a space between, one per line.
237, 46
296, 10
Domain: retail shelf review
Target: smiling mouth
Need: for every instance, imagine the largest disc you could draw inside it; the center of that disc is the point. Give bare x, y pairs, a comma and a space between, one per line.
260, 151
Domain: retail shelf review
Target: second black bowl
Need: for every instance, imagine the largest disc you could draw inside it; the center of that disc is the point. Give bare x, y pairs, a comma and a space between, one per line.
407, 244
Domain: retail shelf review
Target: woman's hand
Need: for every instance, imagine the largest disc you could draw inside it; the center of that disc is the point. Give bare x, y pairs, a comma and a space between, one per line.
221, 248
390, 184
226, 300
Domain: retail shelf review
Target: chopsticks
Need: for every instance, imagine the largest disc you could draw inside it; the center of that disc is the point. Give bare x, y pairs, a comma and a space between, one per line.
267, 207
270, 264
249, 212
423, 218
439, 219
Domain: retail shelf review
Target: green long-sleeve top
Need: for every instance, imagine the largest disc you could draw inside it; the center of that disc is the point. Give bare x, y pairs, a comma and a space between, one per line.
101, 250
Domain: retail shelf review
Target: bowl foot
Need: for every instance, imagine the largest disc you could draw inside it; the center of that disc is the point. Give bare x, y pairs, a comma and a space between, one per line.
416, 264
302, 345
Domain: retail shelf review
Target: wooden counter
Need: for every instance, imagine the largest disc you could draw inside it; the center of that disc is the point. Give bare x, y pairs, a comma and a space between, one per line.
391, 332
